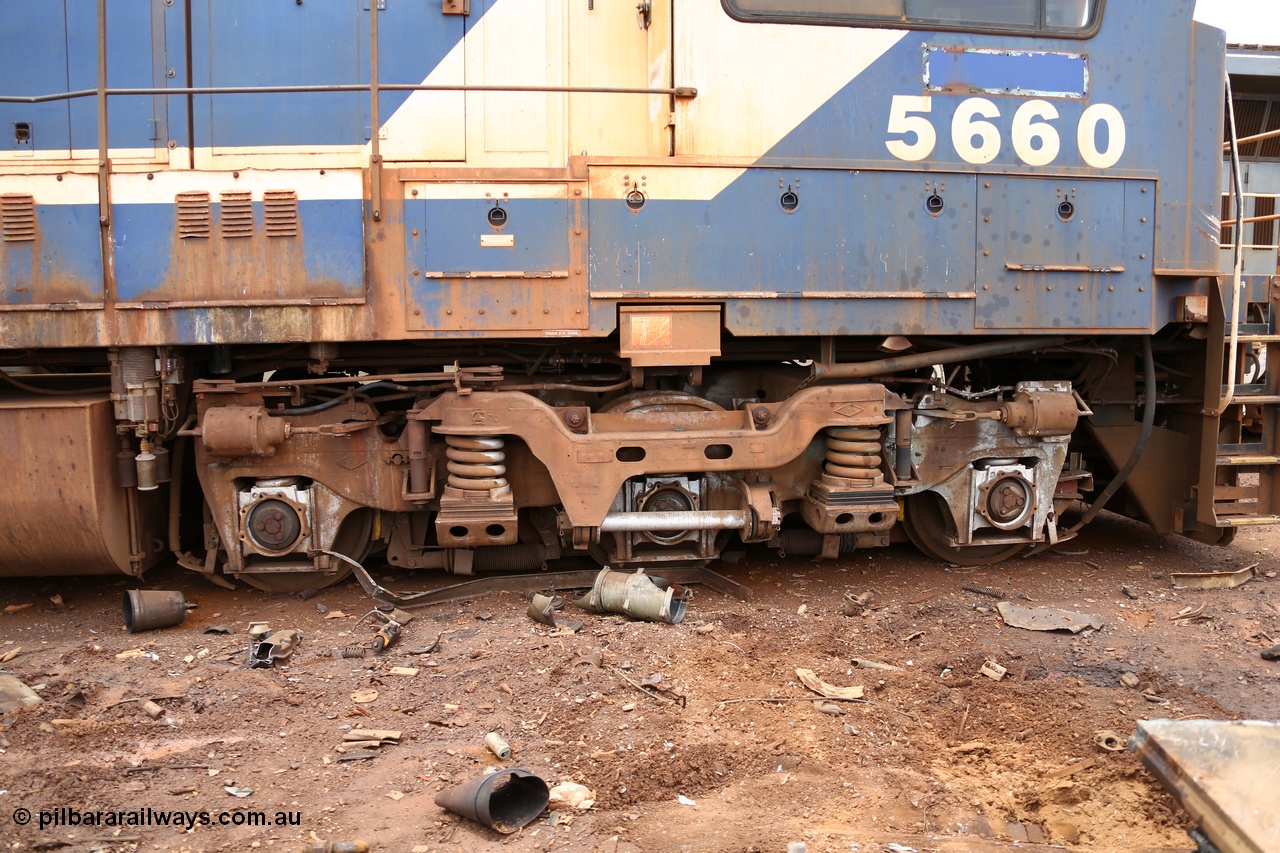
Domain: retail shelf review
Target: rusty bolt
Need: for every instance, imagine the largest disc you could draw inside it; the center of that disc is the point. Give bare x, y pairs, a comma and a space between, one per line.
270, 523
1008, 501
574, 418
760, 414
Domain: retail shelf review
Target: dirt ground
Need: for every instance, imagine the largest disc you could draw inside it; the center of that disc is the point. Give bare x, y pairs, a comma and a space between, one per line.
937, 757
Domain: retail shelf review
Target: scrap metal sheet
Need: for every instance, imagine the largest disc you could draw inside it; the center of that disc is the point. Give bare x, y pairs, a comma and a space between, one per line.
1225, 774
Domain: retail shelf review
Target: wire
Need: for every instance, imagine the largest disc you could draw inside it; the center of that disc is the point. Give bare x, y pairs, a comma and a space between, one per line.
1144, 436
49, 392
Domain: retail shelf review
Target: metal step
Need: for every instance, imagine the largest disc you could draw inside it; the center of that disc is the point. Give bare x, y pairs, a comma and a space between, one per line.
1246, 520
1248, 459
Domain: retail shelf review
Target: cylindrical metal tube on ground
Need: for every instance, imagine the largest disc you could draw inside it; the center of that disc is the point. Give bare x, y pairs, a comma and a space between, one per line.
499, 747
145, 609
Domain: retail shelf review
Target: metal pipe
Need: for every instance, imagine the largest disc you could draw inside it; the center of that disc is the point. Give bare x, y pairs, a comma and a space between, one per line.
1231, 223
862, 370
713, 519
1257, 137
677, 91
375, 158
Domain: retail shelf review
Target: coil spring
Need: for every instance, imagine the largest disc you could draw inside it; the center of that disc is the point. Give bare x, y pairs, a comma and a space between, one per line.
354, 652
855, 453
475, 463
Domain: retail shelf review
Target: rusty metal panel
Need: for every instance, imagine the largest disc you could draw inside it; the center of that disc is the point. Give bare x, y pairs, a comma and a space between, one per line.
64, 510
1223, 773
50, 247
1057, 253
655, 335
494, 257
243, 239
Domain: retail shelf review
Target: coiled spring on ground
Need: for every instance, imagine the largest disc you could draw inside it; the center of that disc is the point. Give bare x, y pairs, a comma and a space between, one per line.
855, 453
476, 463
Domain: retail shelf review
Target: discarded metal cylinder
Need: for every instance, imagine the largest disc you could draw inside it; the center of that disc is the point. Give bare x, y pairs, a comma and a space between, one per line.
151, 709
497, 745
505, 801
145, 609
636, 595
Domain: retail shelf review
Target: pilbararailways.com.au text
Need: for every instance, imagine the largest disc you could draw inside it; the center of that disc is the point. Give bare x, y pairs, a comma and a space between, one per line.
65, 816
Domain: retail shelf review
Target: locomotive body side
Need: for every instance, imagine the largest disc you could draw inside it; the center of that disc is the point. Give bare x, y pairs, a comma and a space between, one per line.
474, 291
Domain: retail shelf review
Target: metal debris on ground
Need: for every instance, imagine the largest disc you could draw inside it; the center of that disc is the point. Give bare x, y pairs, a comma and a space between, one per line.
1189, 615
542, 609
1272, 653
276, 646
499, 747
982, 590
993, 670
1110, 740
1222, 773
636, 595
11, 654
381, 737
863, 663
217, 629
1046, 618
505, 801
855, 605
1071, 769
431, 649
1213, 580
810, 680
147, 609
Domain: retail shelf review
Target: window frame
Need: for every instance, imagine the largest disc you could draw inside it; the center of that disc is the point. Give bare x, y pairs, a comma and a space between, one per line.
852, 19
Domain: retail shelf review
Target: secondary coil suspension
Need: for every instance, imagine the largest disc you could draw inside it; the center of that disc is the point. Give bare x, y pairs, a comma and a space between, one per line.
476, 464
855, 453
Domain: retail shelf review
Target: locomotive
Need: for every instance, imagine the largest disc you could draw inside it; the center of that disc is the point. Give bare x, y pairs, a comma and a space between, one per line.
481, 284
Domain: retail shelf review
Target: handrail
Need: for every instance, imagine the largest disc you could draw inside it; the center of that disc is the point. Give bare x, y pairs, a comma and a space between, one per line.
1236, 282
1257, 137
676, 91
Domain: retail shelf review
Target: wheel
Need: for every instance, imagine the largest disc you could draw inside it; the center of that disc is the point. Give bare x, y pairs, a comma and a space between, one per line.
353, 541
927, 524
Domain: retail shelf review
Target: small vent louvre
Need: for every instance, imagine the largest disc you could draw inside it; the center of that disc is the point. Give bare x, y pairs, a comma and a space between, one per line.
237, 215
193, 214
18, 217
280, 213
